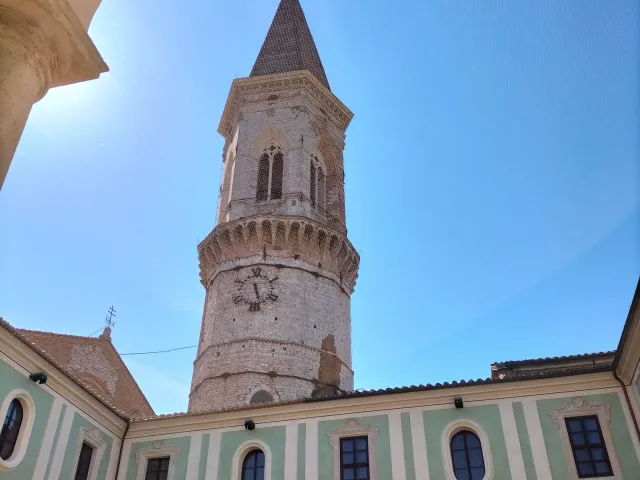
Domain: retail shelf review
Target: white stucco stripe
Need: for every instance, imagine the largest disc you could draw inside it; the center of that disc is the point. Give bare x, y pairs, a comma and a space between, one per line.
291, 452
540, 458
63, 440
213, 455
124, 461
311, 451
193, 462
113, 459
629, 420
510, 430
419, 444
47, 440
398, 468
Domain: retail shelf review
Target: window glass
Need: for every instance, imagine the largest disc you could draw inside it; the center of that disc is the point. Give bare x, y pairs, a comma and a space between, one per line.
354, 458
466, 455
588, 447
84, 462
11, 429
253, 466
157, 469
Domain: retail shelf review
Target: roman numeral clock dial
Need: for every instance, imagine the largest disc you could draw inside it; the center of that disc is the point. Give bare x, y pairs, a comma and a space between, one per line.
254, 289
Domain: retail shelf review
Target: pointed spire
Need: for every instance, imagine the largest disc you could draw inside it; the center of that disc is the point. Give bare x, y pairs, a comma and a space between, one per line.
289, 45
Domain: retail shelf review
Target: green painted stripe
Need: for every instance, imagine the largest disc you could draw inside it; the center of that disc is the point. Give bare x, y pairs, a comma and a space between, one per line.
204, 451
55, 439
408, 446
302, 446
525, 444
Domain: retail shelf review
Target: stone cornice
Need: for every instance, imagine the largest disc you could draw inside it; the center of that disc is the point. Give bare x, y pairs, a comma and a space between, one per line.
267, 85
56, 37
627, 358
300, 411
300, 238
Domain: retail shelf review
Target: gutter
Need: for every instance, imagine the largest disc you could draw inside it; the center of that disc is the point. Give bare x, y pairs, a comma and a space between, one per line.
629, 405
124, 435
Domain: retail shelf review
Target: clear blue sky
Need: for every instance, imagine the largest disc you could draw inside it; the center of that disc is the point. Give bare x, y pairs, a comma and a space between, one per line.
493, 181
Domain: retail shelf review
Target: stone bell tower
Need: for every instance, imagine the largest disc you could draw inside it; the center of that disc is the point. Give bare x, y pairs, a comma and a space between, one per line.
278, 268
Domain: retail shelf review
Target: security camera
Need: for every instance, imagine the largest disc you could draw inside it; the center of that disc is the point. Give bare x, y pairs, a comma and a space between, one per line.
38, 378
249, 425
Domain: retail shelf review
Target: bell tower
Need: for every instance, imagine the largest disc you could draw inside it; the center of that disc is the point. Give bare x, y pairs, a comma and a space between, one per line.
278, 268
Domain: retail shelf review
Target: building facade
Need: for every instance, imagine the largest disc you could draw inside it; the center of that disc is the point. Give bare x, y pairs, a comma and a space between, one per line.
272, 392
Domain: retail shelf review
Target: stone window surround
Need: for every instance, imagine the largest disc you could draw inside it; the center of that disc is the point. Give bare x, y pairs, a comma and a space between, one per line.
354, 429
243, 450
579, 407
157, 450
93, 438
28, 418
457, 426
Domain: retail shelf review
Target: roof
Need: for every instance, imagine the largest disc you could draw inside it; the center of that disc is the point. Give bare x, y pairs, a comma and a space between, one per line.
93, 364
633, 309
563, 359
289, 46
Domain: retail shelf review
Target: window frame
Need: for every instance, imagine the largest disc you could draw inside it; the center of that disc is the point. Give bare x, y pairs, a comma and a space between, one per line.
156, 459
588, 446
157, 450
92, 436
466, 450
93, 451
355, 465
270, 153
244, 450
253, 451
579, 407
353, 429
24, 434
456, 426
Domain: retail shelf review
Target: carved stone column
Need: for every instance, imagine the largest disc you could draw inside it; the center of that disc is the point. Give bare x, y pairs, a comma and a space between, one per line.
25, 73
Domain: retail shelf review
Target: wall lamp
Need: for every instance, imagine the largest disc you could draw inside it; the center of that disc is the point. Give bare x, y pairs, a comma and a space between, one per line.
249, 425
38, 378
458, 402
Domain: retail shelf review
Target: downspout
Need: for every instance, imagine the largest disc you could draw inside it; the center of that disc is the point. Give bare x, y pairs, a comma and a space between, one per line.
629, 405
124, 435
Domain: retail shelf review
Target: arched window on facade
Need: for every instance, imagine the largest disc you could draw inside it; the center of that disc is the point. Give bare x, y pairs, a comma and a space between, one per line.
261, 396
270, 173
253, 466
11, 429
317, 183
466, 454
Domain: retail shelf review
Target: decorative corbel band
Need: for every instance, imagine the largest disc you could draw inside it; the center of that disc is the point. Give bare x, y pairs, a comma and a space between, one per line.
579, 406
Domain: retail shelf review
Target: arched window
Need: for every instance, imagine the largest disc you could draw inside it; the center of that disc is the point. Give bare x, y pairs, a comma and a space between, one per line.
253, 466
466, 454
312, 183
270, 173
261, 396
11, 429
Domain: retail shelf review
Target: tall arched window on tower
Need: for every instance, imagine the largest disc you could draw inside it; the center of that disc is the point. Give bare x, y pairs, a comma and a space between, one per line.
270, 173
317, 183
253, 466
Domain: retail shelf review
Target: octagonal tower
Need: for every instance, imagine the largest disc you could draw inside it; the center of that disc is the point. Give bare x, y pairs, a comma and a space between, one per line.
278, 268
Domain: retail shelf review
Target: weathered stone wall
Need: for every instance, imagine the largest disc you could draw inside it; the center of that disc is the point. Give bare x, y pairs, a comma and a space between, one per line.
299, 343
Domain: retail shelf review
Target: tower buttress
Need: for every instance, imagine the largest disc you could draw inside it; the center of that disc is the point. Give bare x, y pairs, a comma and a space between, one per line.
278, 268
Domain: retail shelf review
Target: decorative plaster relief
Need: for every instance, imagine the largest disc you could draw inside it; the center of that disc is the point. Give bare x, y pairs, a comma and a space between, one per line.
157, 450
354, 429
579, 407
93, 438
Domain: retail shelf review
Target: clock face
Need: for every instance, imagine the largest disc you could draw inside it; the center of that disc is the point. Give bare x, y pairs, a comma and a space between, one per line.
254, 289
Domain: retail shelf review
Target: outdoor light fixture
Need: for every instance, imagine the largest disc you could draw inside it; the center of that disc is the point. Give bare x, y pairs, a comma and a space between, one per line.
249, 425
458, 402
39, 377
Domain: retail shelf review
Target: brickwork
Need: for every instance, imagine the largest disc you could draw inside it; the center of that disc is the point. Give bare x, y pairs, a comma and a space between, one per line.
89, 359
278, 268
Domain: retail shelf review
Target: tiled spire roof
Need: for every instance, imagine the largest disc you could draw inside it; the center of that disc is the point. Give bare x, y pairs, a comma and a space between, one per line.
289, 45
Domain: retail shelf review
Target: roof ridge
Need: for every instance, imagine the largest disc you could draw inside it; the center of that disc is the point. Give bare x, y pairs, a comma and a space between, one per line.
60, 334
559, 357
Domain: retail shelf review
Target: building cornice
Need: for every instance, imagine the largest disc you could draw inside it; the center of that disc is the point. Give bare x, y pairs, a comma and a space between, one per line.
263, 87
353, 406
628, 353
58, 381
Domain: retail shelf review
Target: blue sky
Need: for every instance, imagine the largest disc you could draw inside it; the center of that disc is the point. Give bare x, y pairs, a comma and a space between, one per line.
493, 182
